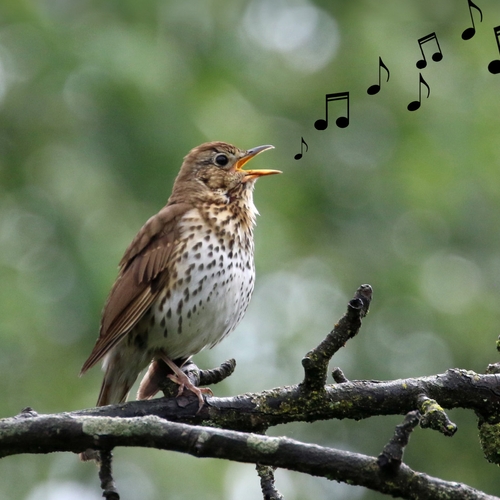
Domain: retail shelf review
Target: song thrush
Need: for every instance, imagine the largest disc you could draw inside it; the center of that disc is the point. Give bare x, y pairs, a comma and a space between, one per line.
186, 279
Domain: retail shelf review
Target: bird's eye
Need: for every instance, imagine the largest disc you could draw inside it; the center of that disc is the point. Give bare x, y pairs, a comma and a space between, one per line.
221, 160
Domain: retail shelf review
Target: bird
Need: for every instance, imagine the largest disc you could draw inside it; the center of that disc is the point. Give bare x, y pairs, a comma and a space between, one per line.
185, 281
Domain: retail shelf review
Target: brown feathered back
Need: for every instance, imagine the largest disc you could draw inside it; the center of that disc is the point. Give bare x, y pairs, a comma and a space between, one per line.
142, 274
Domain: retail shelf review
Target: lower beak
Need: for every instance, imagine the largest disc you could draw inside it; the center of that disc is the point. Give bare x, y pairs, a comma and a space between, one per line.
248, 156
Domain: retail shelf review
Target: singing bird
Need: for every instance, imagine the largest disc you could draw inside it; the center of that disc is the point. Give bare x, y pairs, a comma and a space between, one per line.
186, 279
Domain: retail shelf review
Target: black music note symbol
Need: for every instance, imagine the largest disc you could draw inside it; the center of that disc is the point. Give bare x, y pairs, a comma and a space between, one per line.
414, 105
436, 57
494, 66
470, 32
375, 89
299, 155
342, 121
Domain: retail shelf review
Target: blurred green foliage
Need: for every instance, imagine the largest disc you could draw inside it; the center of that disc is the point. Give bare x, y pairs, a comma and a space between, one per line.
100, 101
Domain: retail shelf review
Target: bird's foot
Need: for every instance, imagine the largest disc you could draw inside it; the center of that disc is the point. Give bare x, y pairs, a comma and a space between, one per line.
179, 377
185, 383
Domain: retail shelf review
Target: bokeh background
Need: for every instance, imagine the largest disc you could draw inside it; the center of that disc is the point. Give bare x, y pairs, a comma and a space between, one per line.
100, 101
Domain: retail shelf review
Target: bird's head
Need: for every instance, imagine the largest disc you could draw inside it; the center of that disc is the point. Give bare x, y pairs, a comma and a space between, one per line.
213, 172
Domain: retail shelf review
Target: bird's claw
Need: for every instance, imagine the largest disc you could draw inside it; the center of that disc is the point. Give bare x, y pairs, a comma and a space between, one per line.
185, 383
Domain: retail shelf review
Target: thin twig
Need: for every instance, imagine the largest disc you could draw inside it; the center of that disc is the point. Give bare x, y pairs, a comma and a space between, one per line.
434, 417
316, 361
391, 457
109, 491
269, 491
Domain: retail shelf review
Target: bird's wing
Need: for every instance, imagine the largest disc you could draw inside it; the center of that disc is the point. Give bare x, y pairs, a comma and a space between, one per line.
141, 278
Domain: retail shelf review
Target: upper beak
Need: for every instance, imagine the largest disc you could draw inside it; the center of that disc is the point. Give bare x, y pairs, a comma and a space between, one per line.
248, 156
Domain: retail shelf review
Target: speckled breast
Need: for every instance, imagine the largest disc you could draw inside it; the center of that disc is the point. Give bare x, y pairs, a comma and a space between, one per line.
210, 285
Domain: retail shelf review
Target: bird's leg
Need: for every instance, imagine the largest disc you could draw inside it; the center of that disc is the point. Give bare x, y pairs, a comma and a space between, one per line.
179, 377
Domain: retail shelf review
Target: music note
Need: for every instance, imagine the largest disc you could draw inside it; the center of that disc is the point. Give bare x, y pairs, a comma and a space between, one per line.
494, 66
375, 89
342, 121
470, 32
302, 142
436, 57
414, 105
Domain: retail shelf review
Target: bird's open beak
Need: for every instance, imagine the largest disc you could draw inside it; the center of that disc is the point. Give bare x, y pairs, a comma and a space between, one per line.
248, 156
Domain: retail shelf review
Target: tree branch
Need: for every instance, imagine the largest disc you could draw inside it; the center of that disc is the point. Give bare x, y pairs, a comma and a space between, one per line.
174, 423
64, 432
355, 399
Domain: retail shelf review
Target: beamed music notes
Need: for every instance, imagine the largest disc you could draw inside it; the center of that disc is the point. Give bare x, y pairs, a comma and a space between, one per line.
341, 121
436, 57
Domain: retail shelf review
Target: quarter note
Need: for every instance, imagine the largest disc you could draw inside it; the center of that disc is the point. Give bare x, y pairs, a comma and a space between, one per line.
342, 121
414, 105
302, 142
436, 57
470, 32
494, 66
375, 89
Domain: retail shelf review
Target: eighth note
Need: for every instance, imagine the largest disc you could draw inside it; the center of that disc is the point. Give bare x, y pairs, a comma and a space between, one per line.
494, 66
342, 121
470, 32
298, 156
436, 57
375, 89
414, 105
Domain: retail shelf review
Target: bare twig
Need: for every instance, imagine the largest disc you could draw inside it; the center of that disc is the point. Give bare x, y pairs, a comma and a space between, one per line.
269, 491
109, 491
198, 377
211, 377
391, 457
338, 376
434, 417
316, 361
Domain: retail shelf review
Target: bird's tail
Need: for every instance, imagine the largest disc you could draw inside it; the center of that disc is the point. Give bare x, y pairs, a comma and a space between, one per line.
115, 387
118, 379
